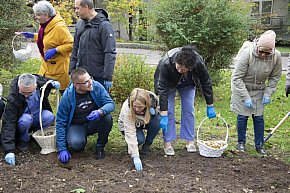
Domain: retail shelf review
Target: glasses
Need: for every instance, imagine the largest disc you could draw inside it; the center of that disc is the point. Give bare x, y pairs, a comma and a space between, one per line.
27, 94
266, 53
86, 82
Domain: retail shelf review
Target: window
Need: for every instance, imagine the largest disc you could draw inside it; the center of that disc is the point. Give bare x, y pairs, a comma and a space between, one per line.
262, 8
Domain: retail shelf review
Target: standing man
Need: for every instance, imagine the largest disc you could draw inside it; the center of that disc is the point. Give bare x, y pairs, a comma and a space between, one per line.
94, 47
21, 114
84, 110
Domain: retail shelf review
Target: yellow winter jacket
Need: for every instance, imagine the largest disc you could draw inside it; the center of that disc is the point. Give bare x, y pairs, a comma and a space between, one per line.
56, 35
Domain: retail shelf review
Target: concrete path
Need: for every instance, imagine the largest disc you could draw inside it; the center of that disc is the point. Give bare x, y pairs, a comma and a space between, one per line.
151, 57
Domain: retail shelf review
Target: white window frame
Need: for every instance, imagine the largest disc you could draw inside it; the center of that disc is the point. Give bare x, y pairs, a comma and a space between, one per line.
261, 6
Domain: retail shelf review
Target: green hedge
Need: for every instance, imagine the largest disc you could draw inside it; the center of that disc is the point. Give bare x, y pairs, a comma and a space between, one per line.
130, 72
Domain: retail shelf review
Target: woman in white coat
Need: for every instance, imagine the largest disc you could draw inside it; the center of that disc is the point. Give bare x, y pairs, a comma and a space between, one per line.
139, 112
257, 71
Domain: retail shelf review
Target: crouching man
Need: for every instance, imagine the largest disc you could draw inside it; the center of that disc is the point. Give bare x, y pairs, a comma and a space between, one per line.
84, 110
21, 113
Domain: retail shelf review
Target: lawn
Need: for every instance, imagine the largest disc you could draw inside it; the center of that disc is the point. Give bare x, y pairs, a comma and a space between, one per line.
279, 143
184, 172
283, 49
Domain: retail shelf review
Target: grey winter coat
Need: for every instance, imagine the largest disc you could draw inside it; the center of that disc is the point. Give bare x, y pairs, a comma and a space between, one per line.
94, 47
254, 80
288, 74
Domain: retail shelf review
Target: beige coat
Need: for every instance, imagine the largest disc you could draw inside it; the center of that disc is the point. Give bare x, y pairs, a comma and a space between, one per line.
288, 74
254, 80
127, 124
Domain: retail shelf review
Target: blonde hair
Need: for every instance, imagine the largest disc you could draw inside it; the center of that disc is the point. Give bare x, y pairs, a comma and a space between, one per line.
142, 96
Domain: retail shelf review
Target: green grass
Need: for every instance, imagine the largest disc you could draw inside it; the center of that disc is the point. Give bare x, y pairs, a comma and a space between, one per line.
278, 145
283, 49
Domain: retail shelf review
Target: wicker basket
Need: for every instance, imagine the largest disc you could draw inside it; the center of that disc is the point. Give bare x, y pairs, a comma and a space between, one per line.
24, 52
47, 142
46, 138
212, 148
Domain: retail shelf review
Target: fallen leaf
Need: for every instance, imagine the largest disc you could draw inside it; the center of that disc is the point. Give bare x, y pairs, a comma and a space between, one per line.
78, 190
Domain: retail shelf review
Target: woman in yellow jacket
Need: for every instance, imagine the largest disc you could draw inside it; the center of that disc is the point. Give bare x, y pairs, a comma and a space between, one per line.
54, 42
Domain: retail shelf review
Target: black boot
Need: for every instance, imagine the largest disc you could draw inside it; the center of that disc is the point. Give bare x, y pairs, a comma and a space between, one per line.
22, 145
100, 153
145, 150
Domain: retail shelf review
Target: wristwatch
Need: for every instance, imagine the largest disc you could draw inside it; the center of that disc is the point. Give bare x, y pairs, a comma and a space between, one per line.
101, 112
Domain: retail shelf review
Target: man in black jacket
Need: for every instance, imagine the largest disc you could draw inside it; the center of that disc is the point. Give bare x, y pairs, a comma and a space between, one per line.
94, 47
181, 69
21, 112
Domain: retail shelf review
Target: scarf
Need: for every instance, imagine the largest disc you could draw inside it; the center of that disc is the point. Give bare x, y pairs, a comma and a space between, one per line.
40, 44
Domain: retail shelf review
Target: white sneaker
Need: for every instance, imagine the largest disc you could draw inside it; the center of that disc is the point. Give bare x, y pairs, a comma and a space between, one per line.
169, 151
190, 148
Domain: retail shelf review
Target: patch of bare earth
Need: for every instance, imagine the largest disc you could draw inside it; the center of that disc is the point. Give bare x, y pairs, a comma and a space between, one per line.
184, 172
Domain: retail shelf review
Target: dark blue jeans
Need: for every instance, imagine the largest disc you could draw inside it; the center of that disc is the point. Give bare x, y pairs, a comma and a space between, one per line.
26, 121
258, 129
152, 127
77, 133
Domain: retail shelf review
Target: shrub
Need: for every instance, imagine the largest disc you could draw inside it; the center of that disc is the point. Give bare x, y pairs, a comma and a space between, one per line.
14, 16
121, 11
130, 72
216, 27
65, 8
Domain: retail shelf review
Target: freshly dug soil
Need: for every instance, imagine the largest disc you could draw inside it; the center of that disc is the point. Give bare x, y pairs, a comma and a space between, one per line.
184, 172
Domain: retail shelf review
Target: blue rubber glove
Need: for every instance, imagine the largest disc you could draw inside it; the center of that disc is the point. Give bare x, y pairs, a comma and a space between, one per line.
137, 164
210, 112
107, 84
55, 84
10, 158
164, 123
266, 100
93, 115
64, 156
50, 53
28, 34
249, 103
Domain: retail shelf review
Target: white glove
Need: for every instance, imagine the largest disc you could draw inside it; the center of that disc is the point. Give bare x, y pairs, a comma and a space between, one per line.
10, 158
137, 163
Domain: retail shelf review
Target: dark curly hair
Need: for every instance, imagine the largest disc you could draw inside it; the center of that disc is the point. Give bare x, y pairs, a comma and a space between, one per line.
186, 57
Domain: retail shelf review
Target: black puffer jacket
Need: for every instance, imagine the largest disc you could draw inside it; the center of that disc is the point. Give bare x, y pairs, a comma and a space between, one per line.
94, 47
166, 78
14, 109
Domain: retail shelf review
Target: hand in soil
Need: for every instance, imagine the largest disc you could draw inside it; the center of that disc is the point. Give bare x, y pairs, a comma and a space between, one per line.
138, 164
64, 156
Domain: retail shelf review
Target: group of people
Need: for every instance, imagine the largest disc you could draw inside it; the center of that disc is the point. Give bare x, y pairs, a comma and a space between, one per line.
66, 60
85, 80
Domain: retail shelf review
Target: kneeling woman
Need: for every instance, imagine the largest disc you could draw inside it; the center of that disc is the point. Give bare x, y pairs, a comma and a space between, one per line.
138, 113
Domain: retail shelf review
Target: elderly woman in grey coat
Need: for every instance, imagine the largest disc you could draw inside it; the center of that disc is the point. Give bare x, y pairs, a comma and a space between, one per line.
287, 84
258, 68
